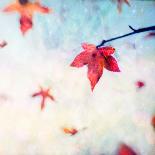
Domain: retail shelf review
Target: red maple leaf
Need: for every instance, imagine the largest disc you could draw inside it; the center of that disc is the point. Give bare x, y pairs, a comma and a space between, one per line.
96, 59
26, 10
125, 150
44, 94
120, 3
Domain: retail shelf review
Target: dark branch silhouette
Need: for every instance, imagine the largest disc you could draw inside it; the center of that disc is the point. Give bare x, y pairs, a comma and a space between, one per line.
135, 31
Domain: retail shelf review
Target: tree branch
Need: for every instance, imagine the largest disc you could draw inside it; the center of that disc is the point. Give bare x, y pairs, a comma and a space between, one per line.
135, 31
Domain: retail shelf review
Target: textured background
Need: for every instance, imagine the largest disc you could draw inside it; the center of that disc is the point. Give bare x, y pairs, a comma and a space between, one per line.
115, 112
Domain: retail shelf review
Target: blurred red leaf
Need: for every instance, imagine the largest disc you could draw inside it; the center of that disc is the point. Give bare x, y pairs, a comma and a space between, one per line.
44, 94
71, 131
140, 84
3, 44
26, 11
125, 150
96, 59
150, 35
25, 24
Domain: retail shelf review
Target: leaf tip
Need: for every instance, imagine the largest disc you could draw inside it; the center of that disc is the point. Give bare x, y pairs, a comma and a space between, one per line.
92, 88
118, 70
72, 64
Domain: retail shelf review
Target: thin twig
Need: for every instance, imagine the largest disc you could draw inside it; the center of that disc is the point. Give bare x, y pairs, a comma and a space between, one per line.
135, 31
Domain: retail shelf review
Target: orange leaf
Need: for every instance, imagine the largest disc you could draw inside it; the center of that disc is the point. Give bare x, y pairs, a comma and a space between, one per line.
44, 94
26, 10
25, 23
71, 131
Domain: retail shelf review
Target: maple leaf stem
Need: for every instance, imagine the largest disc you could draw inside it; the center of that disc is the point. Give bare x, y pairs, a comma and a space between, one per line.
135, 31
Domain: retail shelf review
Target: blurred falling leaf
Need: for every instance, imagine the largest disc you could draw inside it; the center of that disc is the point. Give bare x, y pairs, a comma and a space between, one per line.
71, 131
140, 84
26, 10
125, 150
3, 44
150, 35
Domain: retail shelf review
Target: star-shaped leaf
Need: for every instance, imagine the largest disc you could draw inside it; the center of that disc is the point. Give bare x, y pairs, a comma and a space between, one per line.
44, 94
96, 59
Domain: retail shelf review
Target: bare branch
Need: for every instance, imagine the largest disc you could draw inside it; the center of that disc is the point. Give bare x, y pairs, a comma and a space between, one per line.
145, 29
